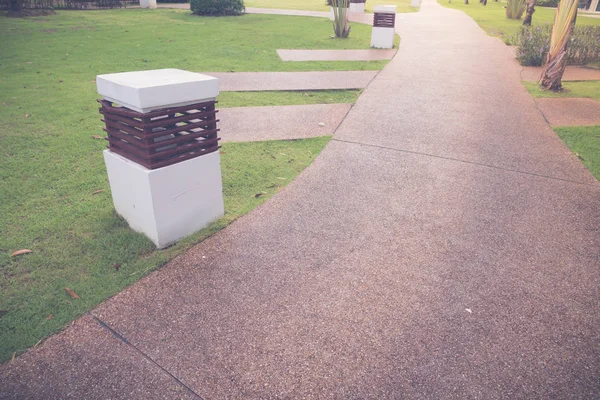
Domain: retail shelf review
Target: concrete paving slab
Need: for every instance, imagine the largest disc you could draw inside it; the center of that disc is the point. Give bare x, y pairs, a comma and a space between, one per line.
298, 13
249, 124
572, 73
570, 111
336, 55
384, 274
86, 361
314, 80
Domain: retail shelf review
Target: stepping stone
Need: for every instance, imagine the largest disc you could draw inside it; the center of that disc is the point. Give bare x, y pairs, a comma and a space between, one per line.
299, 13
336, 55
572, 73
250, 124
570, 112
318, 80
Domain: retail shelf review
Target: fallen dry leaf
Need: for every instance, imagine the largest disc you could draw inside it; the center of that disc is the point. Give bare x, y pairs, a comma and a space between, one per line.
71, 293
49, 317
26, 115
13, 357
19, 252
257, 195
117, 266
97, 137
469, 310
4, 104
98, 191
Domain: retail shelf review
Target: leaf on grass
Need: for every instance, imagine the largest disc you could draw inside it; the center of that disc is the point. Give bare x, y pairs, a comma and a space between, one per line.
13, 357
257, 195
4, 103
19, 252
71, 293
279, 177
26, 115
97, 137
98, 191
49, 317
117, 266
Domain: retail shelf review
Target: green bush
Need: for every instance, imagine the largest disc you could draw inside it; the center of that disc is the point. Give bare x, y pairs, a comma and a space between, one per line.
217, 7
533, 44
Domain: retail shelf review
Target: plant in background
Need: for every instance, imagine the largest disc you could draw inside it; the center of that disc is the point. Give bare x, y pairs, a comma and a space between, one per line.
533, 44
217, 7
515, 9
341, 27
564, 22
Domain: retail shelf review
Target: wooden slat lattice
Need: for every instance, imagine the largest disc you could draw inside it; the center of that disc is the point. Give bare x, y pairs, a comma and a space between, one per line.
161, 137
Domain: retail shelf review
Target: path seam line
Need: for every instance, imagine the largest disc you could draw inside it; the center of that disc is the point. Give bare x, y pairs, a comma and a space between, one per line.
465, 162
124, 340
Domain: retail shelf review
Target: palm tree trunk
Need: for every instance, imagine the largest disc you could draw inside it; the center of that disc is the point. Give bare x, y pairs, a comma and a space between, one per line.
530, 11
556, 61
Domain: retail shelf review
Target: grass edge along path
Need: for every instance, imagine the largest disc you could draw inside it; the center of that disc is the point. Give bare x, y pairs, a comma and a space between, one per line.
584, 141
101, 256
492, 18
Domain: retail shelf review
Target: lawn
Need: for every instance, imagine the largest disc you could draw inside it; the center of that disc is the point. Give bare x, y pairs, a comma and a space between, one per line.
53, 186
492, 18
321, 5
585, 140
588, 89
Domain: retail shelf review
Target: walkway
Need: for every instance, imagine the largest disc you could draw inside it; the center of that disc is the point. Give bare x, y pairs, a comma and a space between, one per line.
335, 55
570, 111
444, 245
246, 124
315, 80
572, 73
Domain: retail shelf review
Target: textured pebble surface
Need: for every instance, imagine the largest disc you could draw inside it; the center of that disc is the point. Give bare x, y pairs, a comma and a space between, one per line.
430, 252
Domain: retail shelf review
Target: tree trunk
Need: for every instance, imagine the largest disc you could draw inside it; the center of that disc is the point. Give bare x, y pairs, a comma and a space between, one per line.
529, 13
556, 61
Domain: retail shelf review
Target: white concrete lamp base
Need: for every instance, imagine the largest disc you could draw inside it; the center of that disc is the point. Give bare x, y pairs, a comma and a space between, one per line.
382, 38
169, 203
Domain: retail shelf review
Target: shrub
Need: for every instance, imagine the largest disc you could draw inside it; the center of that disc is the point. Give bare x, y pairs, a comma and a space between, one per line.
515, 9
533, 44
547, 3
217, 7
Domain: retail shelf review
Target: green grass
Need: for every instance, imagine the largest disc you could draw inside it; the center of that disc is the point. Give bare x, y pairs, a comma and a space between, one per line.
492, 18
321, 5
50, 166
584, 141
588, 89
77, 239
83, 44
284, 98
